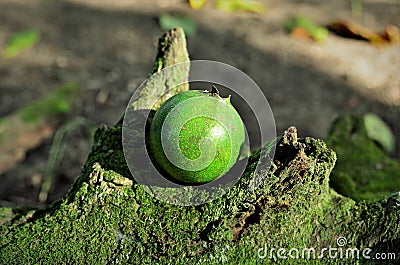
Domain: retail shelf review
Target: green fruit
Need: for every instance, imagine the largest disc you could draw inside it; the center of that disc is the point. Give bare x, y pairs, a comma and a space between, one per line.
196, 136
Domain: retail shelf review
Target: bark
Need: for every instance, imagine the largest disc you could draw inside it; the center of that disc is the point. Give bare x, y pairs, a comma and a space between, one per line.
108, 218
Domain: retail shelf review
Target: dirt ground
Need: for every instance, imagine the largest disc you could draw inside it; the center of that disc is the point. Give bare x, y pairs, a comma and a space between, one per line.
108, 48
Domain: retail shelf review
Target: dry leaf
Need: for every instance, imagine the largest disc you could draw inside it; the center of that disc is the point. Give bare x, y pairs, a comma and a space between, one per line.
301, 34
391, 34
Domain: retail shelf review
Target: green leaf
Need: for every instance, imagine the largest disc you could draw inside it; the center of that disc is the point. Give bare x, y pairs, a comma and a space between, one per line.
379, 131
197, 4
21, 41
57, 102
226, 6
250, 6
240, 5
168, 22
318, 33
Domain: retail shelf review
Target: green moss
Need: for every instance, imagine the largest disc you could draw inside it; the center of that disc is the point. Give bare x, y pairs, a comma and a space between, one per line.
108, 217
363, 170
6, 214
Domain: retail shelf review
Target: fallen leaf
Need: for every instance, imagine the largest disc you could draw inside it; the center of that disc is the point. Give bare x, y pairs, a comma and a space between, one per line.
197, 4
303, 27
391, 34
379, 131
240, 5
21, 41
301, 34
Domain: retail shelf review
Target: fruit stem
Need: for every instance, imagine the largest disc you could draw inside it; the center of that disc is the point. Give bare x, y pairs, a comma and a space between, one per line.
214, 91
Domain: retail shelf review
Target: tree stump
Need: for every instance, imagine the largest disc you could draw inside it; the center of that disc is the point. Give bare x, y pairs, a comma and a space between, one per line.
107, 218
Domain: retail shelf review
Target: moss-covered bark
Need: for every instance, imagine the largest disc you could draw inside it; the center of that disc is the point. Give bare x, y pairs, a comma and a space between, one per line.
171, 51
363, 171
108, 218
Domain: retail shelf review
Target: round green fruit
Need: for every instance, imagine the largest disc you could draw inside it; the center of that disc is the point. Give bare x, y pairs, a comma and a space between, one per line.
196, 136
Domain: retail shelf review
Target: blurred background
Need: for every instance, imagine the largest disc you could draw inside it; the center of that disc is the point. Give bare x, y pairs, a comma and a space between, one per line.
69, 66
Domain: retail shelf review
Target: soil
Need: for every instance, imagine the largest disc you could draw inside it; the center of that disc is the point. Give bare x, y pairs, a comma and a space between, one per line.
108, 48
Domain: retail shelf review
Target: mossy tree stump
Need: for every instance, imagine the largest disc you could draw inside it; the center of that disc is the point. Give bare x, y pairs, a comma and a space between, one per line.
107, 218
